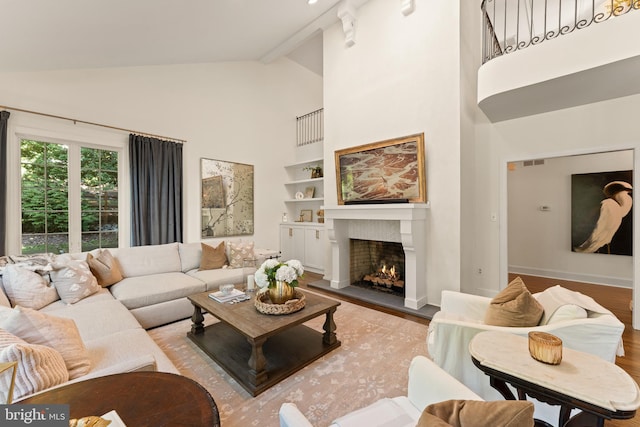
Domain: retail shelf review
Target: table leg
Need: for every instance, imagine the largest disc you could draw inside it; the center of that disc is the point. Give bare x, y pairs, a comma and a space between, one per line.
502, 388
197, 327
585, 419
257, 363
329, 327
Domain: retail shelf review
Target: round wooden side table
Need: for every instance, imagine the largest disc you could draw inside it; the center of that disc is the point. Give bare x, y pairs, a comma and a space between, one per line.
139, 398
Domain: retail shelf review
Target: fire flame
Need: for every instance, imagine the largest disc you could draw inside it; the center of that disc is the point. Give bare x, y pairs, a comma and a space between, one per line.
388, 273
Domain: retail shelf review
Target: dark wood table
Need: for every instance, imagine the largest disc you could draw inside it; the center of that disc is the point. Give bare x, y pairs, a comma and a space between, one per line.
600, 389
139, 398
259, 350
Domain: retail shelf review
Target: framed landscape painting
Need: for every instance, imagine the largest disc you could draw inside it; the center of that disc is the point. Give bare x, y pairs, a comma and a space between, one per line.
391, 171
227, 198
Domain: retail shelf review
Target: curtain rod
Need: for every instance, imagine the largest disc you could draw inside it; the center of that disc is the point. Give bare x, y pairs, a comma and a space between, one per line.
93, 124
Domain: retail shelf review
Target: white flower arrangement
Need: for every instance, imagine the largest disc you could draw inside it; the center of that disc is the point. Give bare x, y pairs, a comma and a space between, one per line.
272, 271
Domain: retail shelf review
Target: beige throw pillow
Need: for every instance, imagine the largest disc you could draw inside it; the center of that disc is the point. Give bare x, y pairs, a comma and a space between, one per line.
39, 367
514, 306
213, 258
73, 281
475, 413
105, 268
56, 332
28, 288
239, 252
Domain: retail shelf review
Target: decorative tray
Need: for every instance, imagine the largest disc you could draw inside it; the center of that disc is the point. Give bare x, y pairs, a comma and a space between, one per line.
263, 303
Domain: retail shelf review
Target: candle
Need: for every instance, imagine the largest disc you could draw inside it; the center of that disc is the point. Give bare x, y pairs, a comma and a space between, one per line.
250, 282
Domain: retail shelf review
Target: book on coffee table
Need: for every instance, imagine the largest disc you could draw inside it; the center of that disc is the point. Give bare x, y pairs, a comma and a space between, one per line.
220, 297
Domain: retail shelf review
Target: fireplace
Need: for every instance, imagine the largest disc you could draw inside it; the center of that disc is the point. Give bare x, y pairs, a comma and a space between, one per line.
377, 265
404, 224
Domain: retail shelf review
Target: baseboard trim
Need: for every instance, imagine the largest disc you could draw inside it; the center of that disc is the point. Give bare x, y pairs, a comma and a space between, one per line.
575, 277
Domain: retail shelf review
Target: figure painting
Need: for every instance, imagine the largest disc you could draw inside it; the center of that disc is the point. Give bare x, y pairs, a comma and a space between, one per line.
601, 219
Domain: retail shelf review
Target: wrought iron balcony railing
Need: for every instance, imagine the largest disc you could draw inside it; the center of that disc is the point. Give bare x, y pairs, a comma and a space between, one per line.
511, 25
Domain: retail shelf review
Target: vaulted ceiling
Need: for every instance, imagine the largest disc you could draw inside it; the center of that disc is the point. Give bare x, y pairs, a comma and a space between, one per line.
71, 34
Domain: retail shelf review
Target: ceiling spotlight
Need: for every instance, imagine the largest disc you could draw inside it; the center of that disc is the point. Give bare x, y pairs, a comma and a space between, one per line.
312, 1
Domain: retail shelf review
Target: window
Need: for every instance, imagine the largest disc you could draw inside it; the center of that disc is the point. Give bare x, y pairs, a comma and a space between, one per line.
62, 182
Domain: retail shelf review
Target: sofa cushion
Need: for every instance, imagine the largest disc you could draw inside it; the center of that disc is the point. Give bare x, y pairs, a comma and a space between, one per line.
147, 260
73, 281
514, 306
190, 254
136, 292
213, 258
99, 318
215, 278
105, 268
238, 252
474, 413
102, 295
55, 332
127, 345
28, 288
39, 367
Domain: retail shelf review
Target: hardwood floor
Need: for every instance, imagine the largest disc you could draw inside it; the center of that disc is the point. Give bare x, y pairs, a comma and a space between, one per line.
615, 299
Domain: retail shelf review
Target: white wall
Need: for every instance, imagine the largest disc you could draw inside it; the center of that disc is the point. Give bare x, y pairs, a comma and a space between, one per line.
402, 77
240, 111
592, 128
539, 242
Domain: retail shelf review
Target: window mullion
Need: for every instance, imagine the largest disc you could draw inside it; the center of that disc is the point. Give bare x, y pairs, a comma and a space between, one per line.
75, 216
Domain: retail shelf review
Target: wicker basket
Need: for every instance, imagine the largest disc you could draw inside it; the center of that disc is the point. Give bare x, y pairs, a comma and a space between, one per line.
263, 303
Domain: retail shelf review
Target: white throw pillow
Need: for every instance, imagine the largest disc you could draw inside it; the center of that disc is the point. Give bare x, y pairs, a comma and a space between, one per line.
239, 252
55, 332
39, 367
567, 312
74, 281
27, 288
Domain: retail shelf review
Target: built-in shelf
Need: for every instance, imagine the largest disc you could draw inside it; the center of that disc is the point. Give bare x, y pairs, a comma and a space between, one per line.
299, 180
305, 181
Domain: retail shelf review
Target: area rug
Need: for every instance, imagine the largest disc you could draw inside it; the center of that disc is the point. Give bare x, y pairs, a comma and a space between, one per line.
371, 363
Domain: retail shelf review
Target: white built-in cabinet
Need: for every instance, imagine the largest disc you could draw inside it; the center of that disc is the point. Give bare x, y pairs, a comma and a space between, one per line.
304, 242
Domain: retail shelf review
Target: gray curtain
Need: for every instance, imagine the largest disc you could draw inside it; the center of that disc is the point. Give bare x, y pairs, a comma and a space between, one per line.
4, 118
156, 190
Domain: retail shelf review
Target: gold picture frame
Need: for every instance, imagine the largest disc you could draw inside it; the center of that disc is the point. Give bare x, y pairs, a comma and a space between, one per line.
382, 172
306, 215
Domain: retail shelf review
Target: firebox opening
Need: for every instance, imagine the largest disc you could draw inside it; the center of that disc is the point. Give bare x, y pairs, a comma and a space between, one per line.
377, 265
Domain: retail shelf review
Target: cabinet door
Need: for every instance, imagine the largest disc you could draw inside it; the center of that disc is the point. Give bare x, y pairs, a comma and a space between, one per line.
314, 248
292, 243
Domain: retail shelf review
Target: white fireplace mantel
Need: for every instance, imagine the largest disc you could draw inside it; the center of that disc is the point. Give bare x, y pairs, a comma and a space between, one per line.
405, 223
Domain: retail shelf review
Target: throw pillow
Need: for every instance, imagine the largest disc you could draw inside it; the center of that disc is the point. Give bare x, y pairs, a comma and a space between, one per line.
56, 332
514, 306
105, 268
74, 281
39, 367
428, 420
213, 258
27, 288
476, 413
239, 252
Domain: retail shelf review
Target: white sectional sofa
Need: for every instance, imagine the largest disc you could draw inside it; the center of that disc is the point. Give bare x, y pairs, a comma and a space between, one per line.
111, 322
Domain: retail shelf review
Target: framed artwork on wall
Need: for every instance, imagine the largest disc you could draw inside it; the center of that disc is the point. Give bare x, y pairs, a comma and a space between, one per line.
382, 172
601, 213
226, 198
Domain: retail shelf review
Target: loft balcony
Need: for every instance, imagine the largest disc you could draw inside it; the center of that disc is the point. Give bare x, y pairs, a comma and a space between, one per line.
546, 55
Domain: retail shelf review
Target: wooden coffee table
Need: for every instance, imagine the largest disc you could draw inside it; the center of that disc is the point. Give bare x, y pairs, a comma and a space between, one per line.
259, 350
139, 398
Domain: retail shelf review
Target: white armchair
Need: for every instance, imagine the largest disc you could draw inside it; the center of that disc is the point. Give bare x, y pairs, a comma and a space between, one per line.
427, 384
461, 317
